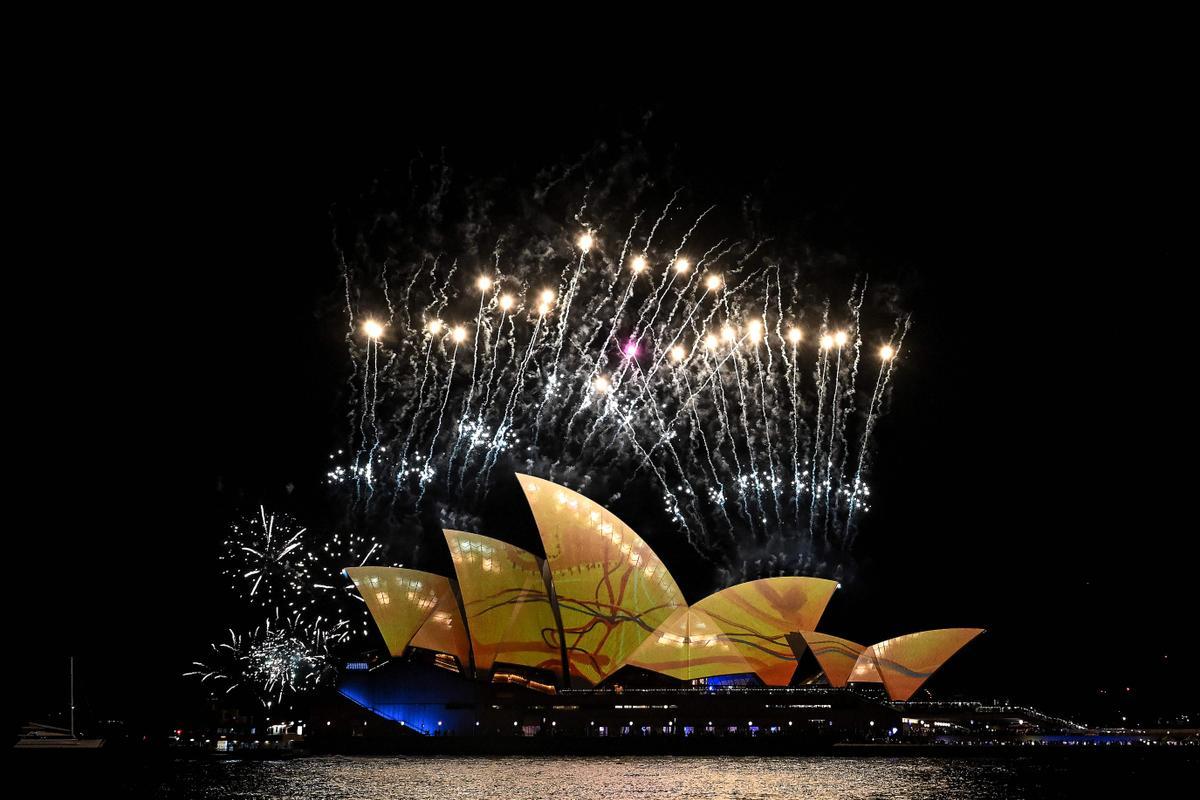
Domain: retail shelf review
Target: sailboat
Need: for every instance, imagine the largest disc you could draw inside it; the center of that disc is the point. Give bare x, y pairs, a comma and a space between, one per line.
39, 736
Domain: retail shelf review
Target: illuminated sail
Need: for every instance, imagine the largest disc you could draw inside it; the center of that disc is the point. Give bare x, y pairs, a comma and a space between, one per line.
508, 611
612, 590
444, 631
906, 662
838, 657
400, 600
689, 645
758, 616
865, 670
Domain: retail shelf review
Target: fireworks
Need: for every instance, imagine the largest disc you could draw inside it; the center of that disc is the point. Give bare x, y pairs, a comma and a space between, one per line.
754, 331
372, 329
282, 657
627, 349
272, 563
265, 559
312, 608
331, 594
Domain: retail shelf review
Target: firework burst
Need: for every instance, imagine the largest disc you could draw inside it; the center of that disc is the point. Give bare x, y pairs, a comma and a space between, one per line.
594, 338
274, 563
266, 560
283, 657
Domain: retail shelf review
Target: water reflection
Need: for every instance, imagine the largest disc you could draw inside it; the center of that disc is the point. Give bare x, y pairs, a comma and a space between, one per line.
524, 778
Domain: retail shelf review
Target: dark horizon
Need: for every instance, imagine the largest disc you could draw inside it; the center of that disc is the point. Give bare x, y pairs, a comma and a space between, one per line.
1013, 490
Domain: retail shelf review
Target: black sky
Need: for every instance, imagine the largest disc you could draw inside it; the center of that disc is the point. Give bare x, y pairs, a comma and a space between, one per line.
1028, 477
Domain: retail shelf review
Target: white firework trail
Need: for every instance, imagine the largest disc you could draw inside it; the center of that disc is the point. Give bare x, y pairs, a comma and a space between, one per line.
420, 404
427, 472
506, 418
485, 284
833, 427
600, 360
889, 353
793, 372
476, 426
815, 464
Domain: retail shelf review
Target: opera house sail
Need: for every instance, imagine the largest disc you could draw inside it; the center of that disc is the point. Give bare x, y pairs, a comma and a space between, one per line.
506, 601
613, 591
759, 615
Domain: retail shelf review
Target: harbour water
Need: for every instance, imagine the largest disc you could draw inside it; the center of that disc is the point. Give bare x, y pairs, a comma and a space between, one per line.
1108, 773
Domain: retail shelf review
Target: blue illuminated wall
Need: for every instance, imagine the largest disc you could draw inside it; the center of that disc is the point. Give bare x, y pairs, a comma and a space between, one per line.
417, 696
739, 679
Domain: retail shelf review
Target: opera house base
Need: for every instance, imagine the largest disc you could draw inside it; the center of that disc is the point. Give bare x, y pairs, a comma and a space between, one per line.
411, 706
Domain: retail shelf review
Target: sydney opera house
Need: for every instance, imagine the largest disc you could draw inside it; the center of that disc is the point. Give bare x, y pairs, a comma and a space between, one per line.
596, 639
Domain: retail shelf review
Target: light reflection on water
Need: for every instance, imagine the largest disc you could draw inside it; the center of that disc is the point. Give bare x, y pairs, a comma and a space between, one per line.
522, 778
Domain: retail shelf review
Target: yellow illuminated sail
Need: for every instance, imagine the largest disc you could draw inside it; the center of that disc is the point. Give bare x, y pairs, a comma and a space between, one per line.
689, 645
400, 600
612, 590
838, 657
906, 662
508, 611
444, 631
865, 670
758, 616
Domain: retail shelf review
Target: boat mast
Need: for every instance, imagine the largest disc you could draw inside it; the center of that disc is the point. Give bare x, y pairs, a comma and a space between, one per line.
72, 697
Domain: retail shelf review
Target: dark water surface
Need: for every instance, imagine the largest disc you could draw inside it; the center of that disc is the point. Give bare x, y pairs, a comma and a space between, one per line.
1092, 774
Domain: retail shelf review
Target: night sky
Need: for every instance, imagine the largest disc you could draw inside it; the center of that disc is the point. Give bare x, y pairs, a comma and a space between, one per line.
1019, 483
